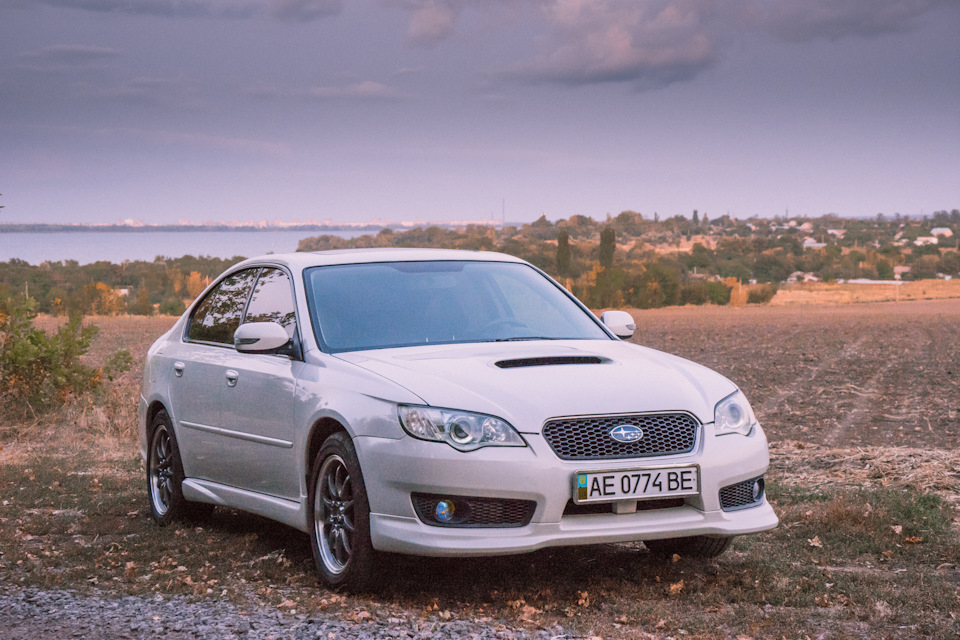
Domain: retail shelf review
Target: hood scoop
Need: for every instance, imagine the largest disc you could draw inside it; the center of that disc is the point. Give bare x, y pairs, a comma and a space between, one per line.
545, 361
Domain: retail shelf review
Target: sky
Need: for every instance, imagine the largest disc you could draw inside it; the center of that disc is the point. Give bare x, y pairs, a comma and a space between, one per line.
402, 110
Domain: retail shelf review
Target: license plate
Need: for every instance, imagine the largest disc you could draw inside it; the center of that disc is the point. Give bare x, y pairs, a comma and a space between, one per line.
637, 484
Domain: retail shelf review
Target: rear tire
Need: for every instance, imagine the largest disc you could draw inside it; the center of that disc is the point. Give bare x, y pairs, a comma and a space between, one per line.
165, 473
693, 546
339, 517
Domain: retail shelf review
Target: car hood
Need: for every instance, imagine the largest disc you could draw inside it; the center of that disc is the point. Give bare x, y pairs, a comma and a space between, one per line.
528, 387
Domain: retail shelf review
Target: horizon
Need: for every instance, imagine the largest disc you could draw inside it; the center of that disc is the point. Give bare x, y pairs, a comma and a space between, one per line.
470, 110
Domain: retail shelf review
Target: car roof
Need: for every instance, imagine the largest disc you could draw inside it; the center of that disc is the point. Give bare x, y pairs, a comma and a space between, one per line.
304, 259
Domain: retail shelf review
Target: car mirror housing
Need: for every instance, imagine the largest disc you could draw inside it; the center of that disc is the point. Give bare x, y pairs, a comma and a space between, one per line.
260, 337
620, 323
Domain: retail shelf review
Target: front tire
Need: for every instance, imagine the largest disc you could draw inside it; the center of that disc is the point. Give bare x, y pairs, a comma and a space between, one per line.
339, 517
693, 546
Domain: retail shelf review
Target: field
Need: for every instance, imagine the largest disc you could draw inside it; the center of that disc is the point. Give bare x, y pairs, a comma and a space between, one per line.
861, 404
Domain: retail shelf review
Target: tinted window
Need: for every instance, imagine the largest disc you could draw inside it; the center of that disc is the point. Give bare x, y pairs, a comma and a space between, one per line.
369, 306
272, 301
218, 315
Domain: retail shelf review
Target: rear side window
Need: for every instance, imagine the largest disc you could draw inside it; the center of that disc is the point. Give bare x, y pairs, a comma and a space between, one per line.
272, 301
218, 315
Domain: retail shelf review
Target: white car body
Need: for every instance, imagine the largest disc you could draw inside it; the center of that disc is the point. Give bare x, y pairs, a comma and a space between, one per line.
249, 425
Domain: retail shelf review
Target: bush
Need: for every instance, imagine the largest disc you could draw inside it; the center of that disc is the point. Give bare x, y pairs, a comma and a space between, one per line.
40, 371
694, 292
171, 307
761, 294
718, 293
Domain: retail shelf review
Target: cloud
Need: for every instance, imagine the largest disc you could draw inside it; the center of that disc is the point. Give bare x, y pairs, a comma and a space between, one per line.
653, 43
248, 146
287, 10
366, 90
147, 91
433, 20
647, 44
305, 10
64, 57
407, 71
836, 19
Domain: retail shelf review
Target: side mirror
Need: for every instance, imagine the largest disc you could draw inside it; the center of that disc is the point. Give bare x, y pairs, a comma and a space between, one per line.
260, 337
620, 323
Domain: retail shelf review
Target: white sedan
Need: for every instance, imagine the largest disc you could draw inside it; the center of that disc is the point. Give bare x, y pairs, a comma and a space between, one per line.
443, 403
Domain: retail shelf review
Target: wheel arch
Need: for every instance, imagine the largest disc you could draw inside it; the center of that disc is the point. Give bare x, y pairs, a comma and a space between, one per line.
321, 430
153, 409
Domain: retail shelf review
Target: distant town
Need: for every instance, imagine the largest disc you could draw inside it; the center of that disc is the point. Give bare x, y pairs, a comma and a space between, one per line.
183, 224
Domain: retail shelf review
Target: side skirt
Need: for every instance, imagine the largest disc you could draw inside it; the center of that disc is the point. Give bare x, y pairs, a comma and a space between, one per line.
288, 512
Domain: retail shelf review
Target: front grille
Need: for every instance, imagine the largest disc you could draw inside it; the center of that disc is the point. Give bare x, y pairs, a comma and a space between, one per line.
664, 434
475, 512
740, 495
595, 508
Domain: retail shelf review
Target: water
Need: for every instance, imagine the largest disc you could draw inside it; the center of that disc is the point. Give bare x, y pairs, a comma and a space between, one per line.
116, 246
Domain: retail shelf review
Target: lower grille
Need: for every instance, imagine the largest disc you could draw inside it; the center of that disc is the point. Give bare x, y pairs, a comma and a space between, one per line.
594, 508
661, 434
475, 512
741, 495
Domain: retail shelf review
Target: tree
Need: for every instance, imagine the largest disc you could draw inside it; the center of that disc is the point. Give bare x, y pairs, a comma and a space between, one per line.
563, 253
696, 218
141, 305
608, 244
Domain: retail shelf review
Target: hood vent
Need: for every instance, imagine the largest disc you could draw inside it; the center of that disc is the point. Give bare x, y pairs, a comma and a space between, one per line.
549, 360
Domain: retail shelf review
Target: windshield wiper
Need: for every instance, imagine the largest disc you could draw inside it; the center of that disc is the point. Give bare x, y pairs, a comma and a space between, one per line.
522, 338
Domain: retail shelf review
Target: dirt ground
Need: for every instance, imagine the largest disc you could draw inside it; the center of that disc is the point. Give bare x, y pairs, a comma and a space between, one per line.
848, 375
860, 403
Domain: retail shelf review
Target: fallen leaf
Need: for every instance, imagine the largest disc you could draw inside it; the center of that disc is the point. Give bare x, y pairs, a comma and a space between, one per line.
529, 611
897, 529
914, 539
676, 557
815, 542
676, 587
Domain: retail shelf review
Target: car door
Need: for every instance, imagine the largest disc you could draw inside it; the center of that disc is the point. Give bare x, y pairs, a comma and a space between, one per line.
256, 408
199, 365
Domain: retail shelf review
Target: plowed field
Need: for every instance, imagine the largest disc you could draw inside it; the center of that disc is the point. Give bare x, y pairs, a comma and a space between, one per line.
867, 374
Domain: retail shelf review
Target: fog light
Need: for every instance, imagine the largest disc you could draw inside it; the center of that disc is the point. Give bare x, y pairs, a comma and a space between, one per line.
758, 490
444, 511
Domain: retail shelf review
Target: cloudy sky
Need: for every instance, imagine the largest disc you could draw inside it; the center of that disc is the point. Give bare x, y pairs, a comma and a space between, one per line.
449, 109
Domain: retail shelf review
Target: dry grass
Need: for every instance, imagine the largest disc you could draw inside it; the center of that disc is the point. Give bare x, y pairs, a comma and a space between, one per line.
865, 548
818, 293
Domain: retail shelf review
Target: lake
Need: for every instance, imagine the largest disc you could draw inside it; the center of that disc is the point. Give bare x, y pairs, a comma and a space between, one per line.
117, 246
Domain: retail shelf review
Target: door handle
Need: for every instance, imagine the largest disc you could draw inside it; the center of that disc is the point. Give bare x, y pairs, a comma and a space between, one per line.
232, 377
178, 368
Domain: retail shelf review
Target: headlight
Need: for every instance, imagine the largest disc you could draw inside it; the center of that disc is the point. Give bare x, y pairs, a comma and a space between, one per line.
733, 415
462, 430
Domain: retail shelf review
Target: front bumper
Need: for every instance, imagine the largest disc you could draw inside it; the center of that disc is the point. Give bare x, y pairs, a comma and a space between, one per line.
394, 469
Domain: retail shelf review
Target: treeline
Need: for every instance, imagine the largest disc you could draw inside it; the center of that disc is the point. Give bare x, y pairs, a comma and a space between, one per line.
626, 260
631, 260
102, 288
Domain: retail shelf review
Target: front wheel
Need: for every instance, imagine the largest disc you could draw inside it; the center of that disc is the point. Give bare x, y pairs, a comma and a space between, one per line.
693, 546
340, 517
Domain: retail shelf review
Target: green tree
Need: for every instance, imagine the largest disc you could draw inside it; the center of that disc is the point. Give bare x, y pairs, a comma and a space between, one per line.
608, 245
564, 256
38, 371
141, 305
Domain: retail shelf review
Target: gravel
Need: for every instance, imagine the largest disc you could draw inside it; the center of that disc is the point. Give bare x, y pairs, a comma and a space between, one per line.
32, 614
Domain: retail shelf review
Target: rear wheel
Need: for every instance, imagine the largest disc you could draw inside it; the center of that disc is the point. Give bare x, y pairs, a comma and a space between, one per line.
694, 546
340, 517
165, 473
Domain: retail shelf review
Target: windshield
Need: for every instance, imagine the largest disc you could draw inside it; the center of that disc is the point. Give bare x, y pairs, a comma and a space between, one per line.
398, 304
